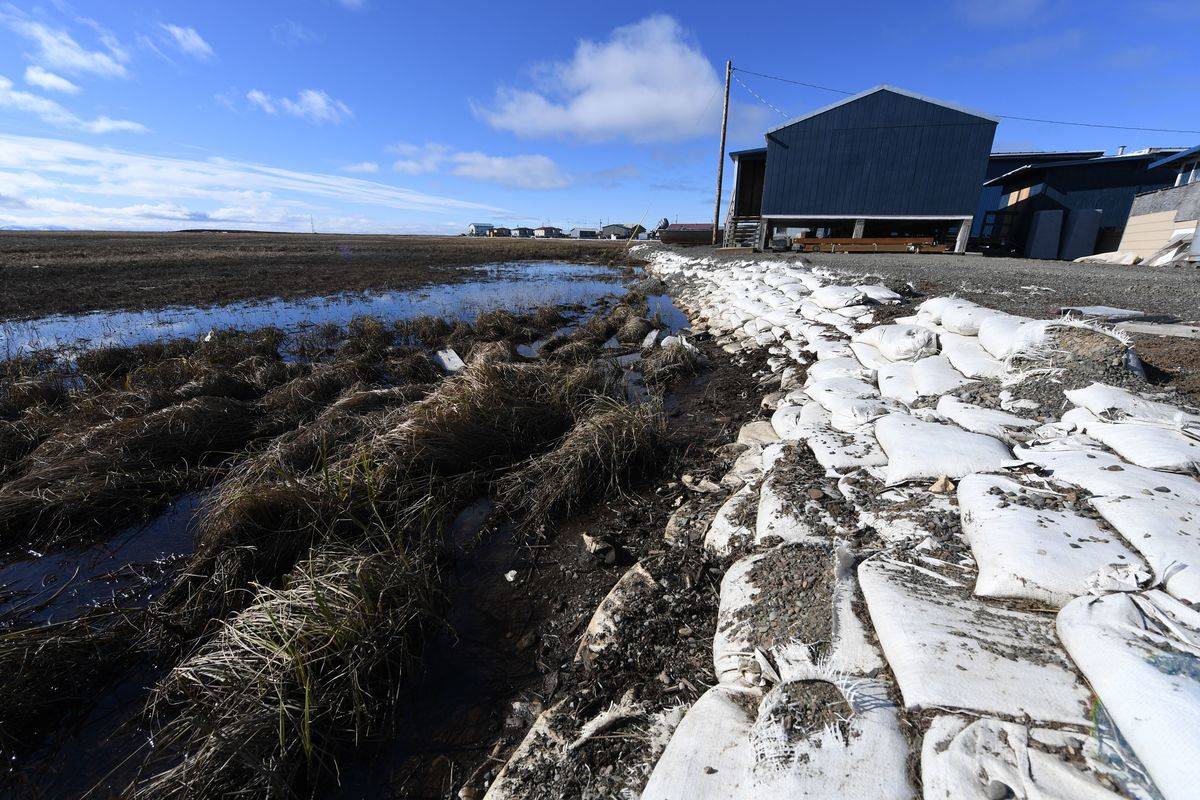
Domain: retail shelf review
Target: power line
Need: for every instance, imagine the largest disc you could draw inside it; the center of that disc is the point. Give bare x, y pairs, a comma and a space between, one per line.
1002, 116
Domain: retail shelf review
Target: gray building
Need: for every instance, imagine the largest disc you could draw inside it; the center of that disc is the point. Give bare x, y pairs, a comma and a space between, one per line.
547, 232
615, 231
883, 164
479, 228
583, 233
523, 233
990, 197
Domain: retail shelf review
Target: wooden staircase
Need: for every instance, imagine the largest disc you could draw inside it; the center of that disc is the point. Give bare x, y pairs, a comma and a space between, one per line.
742, 231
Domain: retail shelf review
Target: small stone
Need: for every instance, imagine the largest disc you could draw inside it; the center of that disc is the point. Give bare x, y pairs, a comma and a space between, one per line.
942, 485
510, 576
997, 790
815, 494
685, 631
710, 771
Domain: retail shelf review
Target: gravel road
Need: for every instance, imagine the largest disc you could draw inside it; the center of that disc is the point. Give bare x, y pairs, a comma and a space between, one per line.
1023, 286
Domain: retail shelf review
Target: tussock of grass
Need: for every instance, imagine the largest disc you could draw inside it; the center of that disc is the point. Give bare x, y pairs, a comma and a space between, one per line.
258, 710
633, 330
51, 669
610, 443
668, 364
118, 469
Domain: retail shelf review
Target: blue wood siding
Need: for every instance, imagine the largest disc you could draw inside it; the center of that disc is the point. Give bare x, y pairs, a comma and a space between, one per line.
885, 154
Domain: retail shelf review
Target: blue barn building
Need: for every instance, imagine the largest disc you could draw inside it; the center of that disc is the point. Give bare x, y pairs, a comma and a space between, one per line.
885, 164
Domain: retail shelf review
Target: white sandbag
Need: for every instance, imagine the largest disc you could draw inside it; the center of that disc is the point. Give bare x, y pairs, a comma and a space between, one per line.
828, 348
727, 528
964, 318
794, 422
965, 759
926, 450
1106, 475
934, 375
810, 310
830, 393
541, 743
853, 312
1112, 404
841, 452
1000, 332
866, 762
831, 297
988, 421
950, 650
839, 368
1147, 444
869, 356
850, 416
896, 382
778, 520
1042, 554
602, 628
1166, 532
968, 356
900, 342
1141, 652
710, 756
901, 514
758, 432
880, 293
932, 308
448, 360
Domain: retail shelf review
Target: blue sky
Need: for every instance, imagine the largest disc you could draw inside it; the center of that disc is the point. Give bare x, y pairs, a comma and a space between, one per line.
368, 115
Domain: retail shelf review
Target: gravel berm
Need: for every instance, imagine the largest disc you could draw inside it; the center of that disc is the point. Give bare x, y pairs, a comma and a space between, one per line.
1025, 286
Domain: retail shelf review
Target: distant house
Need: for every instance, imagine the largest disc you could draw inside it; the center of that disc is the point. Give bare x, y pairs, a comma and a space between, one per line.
1159, 216
583, 233
615, 231
524, 233
687, 233
497, 233
479, 228
547, 232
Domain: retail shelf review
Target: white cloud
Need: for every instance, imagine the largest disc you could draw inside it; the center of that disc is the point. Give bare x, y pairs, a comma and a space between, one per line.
44, 79
58, 50
53, 113
362, 167
648, 82
313, 105
51, 182
418, 159
353, 5
521, 172
261, 100
290, 33
188, 41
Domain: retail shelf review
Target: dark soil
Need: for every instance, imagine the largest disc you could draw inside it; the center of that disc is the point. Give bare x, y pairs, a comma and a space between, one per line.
802, 709
1171, 362
65, 273
460, 735
795, 599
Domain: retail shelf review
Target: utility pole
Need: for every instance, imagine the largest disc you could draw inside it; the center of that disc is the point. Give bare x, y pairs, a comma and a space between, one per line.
721, 158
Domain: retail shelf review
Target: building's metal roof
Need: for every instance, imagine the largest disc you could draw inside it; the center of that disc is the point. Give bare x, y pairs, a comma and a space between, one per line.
1186, 154
885, 88
749, 151
1076, 162
1064, 154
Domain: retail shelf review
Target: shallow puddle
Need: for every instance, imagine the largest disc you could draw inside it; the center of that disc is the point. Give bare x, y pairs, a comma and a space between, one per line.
511, 286
128, 569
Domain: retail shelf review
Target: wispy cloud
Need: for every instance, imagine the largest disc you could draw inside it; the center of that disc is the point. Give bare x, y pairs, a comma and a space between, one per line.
314, 105
647, 82
58, 50
353, 5
517, 172
998, 13
290, 33
51, 182
187, 41
53, 113
1028, 53
44, 79
362, 168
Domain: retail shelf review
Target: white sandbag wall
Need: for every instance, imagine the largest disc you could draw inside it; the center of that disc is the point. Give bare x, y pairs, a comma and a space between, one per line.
982, 573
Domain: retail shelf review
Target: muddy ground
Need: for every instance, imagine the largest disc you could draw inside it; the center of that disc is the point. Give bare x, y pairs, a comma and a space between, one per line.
514, 653
64, 273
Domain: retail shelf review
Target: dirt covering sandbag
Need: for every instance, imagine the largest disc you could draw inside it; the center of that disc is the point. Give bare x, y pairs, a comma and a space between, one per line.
1032, 543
